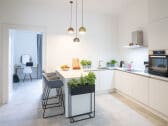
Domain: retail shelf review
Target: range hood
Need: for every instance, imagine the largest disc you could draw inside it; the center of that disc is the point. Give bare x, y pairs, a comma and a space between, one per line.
137, 40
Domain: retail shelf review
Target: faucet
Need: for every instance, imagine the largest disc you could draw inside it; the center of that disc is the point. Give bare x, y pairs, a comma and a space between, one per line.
99, 65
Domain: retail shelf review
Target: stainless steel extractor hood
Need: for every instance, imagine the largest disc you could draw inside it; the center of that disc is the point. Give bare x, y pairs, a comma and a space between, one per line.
137, 40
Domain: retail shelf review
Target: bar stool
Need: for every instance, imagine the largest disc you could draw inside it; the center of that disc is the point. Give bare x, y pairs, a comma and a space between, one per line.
57, 85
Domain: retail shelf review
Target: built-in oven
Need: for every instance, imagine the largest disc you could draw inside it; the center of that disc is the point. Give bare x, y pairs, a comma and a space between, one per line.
158, 63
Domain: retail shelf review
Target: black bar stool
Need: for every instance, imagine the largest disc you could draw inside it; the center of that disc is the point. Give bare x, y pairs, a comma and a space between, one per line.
57, 85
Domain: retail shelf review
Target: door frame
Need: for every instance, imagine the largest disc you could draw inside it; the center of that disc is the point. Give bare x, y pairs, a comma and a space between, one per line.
7, 76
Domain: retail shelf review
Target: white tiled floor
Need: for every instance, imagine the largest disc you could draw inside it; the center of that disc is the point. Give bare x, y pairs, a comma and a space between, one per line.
25, 110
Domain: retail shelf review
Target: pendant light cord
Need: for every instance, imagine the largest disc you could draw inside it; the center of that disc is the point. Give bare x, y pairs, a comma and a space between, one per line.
76, 17
82, 12
71, 2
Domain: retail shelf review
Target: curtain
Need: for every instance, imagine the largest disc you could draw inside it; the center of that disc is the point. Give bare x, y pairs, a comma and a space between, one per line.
39, 56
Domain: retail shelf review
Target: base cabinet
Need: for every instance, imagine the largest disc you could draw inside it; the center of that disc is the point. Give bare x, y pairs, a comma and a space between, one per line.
133, 85
140, 89
123, 82
158, 93
104, 80
149, 91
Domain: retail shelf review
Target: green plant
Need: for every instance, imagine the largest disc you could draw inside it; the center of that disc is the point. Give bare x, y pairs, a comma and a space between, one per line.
73, 82
83, 62
82, 80
86, 80
113, 62
90, 78
89, 62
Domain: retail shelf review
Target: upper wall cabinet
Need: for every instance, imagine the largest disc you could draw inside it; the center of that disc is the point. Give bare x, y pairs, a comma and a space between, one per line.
158, 35
158, 9
158, 24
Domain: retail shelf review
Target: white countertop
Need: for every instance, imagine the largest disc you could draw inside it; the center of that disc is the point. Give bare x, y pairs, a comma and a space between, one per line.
142, 73
78, 73
72, 73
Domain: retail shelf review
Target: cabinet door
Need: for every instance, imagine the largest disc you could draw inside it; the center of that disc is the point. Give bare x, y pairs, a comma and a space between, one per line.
157, 9
97, 83
133, 85
158, 35
117, 80
140, 88
126, 81
158, 94
106, 80
123, 82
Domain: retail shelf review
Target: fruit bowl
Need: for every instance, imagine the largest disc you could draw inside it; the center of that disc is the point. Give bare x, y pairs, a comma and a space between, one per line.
65, 67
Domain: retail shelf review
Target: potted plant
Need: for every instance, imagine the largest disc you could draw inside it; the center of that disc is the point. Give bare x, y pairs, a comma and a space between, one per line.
89, 63
83, 63
113, 62
82, 85
108, 64
86, 64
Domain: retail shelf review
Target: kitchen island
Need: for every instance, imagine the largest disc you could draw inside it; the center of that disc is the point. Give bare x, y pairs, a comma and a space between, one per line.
79, 103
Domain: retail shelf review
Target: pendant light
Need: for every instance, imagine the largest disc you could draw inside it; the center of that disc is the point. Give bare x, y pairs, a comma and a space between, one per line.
70, 29
82, 29
76, 39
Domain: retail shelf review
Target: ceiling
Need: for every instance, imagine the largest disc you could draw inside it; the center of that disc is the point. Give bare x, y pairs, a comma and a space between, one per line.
98, 6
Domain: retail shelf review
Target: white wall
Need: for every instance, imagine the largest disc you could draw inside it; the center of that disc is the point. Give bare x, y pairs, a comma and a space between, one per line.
98, 43
133, 17
25, 42
100, 40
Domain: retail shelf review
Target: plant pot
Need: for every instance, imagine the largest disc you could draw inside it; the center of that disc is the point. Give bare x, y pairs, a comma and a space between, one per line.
81, 89
112, 65
88, 66
84, 66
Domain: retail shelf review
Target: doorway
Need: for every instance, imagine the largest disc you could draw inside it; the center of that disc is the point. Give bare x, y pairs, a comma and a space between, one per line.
26, 60
7, 59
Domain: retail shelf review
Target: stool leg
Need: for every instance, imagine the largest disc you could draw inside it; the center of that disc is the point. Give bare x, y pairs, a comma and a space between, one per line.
59, 96
45, 102
44, 96
30, 77
24, 77
62, 100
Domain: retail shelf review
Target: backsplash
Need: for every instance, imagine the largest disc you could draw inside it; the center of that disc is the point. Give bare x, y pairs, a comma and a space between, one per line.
137, 56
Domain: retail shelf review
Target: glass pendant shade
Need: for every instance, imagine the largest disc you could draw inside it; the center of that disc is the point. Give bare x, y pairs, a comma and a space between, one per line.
82, 30
76, 39
70, 30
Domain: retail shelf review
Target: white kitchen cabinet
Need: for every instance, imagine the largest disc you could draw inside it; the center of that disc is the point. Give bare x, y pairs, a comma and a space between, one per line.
117, 80
135, 86
158, 35
158, 93
158, 9
122, 82
97, 83
158, 24
140, 89
104, 80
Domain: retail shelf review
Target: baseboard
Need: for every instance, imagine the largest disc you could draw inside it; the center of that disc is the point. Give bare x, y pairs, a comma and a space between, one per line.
105, 91
148, 108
